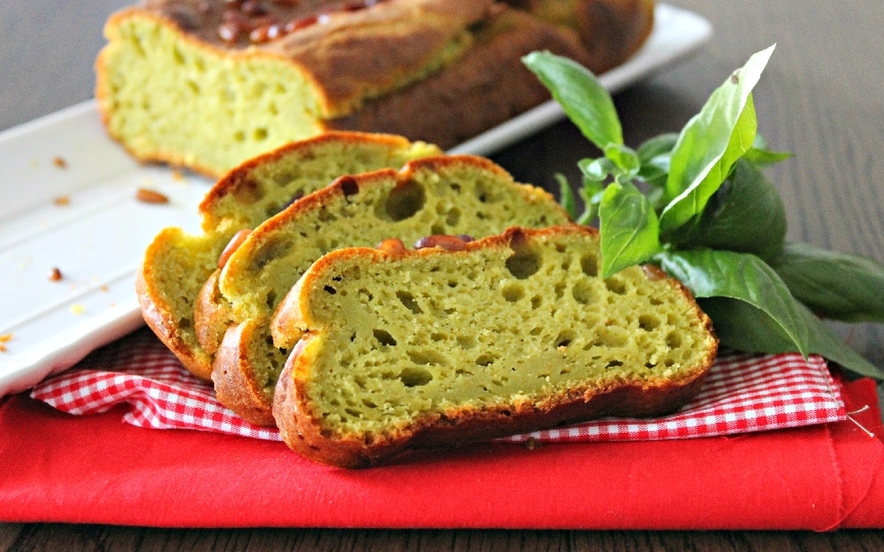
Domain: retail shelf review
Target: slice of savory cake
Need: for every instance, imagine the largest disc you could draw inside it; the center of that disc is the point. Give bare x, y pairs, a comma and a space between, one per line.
402, 349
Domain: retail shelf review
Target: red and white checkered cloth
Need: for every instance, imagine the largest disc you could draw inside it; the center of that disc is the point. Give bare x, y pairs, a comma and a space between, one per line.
742, 393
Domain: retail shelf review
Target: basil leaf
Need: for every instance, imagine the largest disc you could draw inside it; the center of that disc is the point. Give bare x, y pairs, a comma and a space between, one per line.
743, 327
761, 156
566, 195
628, 228
746, 215
597, 170
655, 155
624, 158
591, 193
741, 276
834, 285
583, 99
711, 142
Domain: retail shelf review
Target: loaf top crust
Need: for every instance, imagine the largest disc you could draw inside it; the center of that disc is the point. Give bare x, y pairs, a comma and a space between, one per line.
516, 332
329, 40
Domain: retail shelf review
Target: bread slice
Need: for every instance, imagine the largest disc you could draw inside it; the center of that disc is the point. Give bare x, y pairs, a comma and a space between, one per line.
514, 333
210, 83
433, 195
177, 264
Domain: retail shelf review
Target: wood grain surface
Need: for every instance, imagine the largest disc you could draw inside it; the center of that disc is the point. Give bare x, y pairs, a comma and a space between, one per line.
821, 98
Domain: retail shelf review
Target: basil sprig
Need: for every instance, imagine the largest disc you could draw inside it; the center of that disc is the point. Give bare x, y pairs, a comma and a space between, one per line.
697, 204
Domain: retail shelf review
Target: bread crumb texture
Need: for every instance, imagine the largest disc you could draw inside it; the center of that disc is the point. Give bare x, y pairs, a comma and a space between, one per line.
518, 328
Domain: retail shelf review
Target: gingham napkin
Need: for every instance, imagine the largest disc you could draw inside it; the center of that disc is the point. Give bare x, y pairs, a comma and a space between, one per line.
742, 393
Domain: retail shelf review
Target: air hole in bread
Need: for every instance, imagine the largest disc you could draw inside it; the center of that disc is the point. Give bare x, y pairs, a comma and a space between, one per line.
270, 300
565, 338
536, 302
330, 290
559, 290
414, 376
248, 192
405, 200
673, 340
583, 292
384, 337
590, 265
453, 217
349, 186
485, 359
648, 322
514, 291
259, 134
409, 302
523, 263
615, 285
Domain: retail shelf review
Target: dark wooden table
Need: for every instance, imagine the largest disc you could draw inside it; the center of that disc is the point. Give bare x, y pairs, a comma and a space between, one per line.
821, 97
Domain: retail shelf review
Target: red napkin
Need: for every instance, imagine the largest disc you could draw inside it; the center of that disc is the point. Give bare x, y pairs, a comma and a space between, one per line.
95, 469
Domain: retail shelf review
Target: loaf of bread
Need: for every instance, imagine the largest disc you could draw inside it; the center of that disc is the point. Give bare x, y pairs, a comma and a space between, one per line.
433, 195
405, 349
207, 84
177, 264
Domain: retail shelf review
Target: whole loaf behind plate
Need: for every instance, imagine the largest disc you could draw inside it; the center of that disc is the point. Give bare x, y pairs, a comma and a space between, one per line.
207, 84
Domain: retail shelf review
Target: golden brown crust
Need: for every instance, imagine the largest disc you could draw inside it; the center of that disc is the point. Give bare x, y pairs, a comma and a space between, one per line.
293, 410
235, 386
209, 316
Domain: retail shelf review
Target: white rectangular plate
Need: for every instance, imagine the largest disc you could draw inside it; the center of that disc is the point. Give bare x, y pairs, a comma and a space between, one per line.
69, 204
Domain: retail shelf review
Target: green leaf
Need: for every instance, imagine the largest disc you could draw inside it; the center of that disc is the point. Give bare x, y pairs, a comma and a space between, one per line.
566, 195
745, 215
744, 277
711, 142
624, 158
743, 327
840, 286
655, 156
628, 228
583, 99
597, 170
591, 193
762, 156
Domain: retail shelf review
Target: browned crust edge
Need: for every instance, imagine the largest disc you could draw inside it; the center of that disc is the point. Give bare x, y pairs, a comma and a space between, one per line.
235, 387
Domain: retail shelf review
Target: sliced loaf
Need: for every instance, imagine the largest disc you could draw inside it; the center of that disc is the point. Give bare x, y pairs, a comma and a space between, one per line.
433, 195
177, 264
409, 349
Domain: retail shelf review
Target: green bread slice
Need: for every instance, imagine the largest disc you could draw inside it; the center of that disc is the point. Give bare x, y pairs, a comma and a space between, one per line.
409, 349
